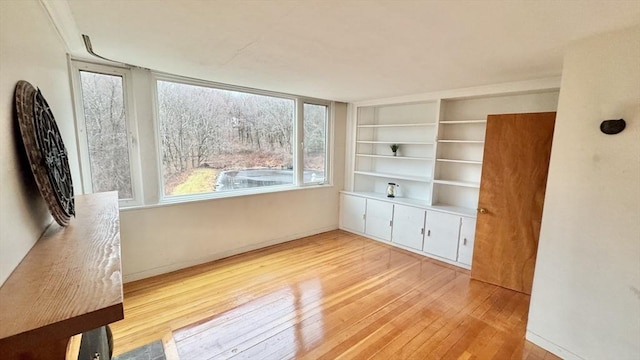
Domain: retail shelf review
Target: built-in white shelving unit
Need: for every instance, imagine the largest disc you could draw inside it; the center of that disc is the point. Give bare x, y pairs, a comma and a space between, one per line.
412, 127
459, 153
438, 169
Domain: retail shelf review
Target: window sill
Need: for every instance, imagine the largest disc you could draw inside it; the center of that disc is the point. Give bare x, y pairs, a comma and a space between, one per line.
186, 199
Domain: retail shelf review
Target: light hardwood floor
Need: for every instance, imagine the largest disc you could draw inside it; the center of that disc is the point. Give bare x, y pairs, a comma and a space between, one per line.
331, 296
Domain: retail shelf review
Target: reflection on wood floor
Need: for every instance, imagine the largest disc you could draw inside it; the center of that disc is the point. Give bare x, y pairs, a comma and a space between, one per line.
329, 296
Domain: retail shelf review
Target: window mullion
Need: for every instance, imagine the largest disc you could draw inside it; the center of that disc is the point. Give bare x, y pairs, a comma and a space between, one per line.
299, 149
132, 139
81, 141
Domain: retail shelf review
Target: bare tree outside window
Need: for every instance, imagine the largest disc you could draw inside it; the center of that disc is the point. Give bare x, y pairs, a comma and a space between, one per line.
218, 140
106, 132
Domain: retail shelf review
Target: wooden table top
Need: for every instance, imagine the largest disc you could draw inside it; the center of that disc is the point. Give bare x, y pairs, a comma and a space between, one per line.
69, 282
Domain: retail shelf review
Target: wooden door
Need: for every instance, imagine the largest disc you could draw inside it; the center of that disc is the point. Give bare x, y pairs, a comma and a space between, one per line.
514, 177
408, 226
442, 235
379, 217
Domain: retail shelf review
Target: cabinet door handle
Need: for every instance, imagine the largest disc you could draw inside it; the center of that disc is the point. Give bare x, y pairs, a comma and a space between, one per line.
422, 231
390, 222
364, 216
428, 232
482, 210
464, 242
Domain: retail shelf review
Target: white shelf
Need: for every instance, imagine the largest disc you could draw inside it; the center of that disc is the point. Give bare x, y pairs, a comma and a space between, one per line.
394, 142
394, 176
469, 184
462, 141
459, 122
395, 125
395, 200
395, 157
460, 161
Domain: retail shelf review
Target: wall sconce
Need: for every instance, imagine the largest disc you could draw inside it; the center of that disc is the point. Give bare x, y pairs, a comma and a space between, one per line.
612, 127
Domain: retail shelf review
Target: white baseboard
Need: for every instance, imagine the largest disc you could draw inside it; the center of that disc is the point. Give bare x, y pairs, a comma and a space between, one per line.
551, 347
129, 277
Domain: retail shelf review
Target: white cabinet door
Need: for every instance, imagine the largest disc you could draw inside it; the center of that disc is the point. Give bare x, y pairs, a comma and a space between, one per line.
467, 233
441, 238
352, 210
379, 216
408, 226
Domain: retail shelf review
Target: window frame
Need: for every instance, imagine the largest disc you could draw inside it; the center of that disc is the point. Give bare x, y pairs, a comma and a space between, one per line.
298, 137
142, 83
76, 67
328, 126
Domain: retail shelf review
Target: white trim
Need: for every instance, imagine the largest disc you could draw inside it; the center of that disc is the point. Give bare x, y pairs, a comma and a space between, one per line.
329, 171
511, 88
212, 196
221, 255
78, 114
156, 127
551, 347
437, 131
62, 19
351, 146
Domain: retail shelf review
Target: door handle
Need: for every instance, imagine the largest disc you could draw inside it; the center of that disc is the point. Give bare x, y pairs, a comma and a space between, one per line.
482, 210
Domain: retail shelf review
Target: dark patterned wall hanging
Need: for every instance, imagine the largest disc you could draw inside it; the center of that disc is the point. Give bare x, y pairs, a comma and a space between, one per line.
46, 151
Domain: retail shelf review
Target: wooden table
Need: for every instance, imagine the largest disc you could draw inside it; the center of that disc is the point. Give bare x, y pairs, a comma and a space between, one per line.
69, 282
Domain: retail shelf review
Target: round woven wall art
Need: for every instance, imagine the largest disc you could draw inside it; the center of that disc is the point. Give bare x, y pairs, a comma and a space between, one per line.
46, 151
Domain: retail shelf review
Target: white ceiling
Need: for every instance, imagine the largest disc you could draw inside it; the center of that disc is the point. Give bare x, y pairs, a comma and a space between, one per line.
347, 50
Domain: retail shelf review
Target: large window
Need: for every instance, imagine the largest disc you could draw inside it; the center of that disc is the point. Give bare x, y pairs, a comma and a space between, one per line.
220, 140
103, 130
199, 139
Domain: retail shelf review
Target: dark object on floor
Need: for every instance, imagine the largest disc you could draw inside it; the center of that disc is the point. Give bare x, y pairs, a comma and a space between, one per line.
152, 351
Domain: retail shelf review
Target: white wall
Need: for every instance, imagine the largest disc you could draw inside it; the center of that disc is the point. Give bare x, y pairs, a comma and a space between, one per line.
160, 239
31, 50
586, 292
